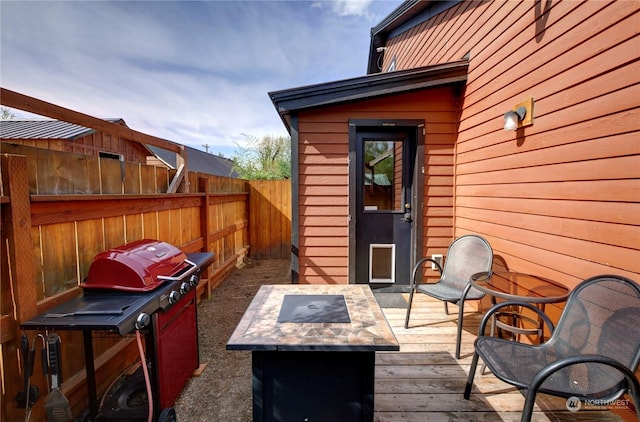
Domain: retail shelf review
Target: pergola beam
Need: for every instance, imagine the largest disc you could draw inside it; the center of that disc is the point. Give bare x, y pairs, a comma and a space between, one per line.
33, 105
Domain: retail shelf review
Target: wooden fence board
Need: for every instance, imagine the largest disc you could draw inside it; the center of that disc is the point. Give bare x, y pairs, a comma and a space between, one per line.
163, 179
150, 225
132, 178
193, 226
175, 225
92, 175
90, 243
148, 179
36, 257
58, 251
77, 165
113, 231
164, 225
111, 176
133, 227
55, 172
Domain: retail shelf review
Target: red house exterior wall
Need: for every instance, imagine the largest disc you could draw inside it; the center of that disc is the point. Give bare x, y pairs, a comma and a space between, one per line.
560, 198
323, 176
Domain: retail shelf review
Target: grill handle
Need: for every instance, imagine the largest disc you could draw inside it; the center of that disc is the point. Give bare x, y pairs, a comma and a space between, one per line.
193, 269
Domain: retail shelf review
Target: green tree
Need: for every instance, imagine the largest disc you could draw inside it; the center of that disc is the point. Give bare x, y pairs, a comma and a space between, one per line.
265, 158
6, 113
378, 156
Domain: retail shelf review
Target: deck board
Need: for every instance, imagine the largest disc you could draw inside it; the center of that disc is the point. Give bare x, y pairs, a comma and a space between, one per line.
424, 381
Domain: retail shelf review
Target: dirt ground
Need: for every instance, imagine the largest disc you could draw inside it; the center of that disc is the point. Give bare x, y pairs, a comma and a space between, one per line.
223, 391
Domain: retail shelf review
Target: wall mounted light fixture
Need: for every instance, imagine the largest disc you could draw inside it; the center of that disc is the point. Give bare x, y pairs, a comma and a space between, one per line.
520, 116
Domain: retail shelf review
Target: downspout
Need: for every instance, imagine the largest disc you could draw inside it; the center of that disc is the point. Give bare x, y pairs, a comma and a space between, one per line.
295, 200
458, 98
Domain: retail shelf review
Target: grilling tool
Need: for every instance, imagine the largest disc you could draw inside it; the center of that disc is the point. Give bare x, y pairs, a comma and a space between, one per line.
31, 397
57, 406
21, 398
30, 394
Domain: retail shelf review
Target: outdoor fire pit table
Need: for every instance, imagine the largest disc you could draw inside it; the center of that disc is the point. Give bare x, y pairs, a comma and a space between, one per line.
313, 351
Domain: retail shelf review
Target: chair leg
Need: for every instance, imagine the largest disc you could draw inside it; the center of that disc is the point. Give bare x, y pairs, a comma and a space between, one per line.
460, 318
483, 368
472, 374
529, 402
406, 319
459, 333
634, 390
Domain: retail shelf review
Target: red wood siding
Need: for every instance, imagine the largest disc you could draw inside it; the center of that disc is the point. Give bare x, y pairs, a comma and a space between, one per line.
560, 198
324, 176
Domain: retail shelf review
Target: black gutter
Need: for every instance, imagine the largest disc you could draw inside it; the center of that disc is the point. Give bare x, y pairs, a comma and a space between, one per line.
364, 87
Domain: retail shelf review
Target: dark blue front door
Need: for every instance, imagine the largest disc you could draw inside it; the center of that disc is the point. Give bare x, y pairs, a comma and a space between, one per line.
383, 211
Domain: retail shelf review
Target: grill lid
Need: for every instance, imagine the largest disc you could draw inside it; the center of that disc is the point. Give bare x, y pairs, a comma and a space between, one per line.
137, 266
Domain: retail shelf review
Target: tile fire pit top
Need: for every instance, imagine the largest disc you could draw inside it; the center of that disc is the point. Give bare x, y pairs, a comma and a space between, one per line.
266, 323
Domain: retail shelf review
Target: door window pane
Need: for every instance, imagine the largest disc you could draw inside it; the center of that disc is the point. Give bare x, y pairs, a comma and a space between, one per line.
382, 190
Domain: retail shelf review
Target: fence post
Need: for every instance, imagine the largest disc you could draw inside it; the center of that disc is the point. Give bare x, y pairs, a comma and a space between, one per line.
16, 223
203, 187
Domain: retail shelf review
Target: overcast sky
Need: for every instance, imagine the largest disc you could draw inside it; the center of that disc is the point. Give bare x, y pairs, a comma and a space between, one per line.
192, 72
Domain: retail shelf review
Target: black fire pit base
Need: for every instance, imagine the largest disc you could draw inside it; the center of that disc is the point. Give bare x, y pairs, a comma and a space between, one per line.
313, 386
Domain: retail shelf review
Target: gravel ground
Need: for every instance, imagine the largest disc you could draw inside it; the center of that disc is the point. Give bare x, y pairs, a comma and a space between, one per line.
223, 391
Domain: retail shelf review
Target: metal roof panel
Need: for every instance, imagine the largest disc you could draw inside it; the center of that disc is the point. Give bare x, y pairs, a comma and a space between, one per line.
40, 129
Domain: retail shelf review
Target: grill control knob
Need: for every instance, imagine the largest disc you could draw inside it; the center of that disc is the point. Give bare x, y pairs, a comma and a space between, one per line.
193, 281
142, 321
174, 296
185, 287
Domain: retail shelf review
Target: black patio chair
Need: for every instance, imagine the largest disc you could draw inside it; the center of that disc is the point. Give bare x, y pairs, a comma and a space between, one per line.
466, 256
592, 354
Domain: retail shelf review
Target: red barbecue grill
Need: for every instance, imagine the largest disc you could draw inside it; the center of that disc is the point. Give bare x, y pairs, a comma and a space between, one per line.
147, 285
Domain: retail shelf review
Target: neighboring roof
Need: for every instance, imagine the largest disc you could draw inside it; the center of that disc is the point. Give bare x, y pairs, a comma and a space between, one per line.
365, 87
380, 179
44, 129
199, 161
409, 14
55, 129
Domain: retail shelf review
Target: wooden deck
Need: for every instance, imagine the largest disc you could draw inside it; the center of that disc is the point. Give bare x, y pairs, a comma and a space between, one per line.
424, 381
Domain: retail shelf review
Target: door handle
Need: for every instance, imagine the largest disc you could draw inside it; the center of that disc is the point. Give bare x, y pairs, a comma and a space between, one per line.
407, 215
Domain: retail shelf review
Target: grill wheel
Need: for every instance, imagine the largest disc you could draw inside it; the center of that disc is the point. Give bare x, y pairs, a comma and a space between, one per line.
168, 415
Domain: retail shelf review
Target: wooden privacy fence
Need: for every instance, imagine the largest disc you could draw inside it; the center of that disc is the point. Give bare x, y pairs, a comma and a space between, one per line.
270, 218
50, 235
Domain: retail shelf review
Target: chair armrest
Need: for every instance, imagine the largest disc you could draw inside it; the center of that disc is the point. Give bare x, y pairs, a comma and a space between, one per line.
550, 369
495, 308
414, 273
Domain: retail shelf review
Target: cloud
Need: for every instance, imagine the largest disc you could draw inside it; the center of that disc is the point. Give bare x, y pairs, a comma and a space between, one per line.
194, 72
347, 7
